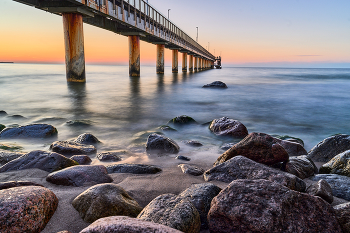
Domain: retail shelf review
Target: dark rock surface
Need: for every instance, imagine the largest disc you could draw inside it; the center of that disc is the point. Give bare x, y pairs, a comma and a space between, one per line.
340, 165
81, 159
292, 148
193, 143
3, 113
201, 196
265, 206
329, 147
157, 143
289, 138
29, 131
321, 189
227, 146
7, 156
343, 215
339, 184
172, 211
191, 169
241, 167
43, 160
13, 184
72, 148
133, 168
104, 200
78, 123
109, 156
180, 157
301, 166
167, 128
80, 175
216, 84
87, 138
228, 127
26, 209
182, 120
2, 127
259, 147
123, 224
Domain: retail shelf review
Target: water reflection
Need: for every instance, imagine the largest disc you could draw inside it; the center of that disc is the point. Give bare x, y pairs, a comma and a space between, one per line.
135, 99
77, 94
160, 83
175, 78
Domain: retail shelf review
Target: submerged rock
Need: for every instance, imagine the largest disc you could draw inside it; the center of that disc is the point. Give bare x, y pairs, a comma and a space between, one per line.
133, 168
166, 128
193, 143
72, 148
81, 159
301, 166
340, 165
228, 127
191, 169
321, 189
79, 123
216, 84
3, 113
109, 156
339, 184
227, 146
29, 131
182, 120
87, 138
157, 143
180, 157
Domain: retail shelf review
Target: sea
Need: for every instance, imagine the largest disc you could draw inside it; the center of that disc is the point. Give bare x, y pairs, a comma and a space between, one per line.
310, 104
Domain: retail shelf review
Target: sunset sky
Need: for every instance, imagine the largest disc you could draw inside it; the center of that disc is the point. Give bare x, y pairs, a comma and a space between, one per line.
293, 33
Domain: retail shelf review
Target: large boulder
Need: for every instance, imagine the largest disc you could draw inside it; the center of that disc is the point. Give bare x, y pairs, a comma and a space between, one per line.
301, 166
7, 156
29, 131
216, 84
228, 127
343, 214
123, 224
72, 148
43, 160
182, 120
265, 206
133, 168
329, 147
157, 143
240, 167
201, 196
87, 138
105, 200
259, 147
80, 175
26, 209
339, 184
321, 189
173, 211
340, 165
292, 148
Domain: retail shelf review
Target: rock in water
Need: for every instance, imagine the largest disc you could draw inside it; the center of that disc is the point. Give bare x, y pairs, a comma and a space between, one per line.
292, 148
265, 206
329, 147
157, 143
340, 165
108, 156
26, 209
181, 157
182, 120
339, 184
216, 84
29, 131
321, 189
172, 211
228, 127
43, 160
81, 159
2, 127
105, 200
240, 167
191, 169
87, 138
3, 113
301, 166
133, 168
259, 147
122, 224
193, 143
80, 175
72, 148
343, 215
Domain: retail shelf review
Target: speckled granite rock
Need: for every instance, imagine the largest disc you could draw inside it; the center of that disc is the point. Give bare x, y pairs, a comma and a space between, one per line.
122, 224
105, 200
172, 211
7, 156
259, 147
157, 143
81, 159
216, 84
265, 206
26, 209
321, 189
228, 127
240, 167
87, 138
340, 165
109, 156
80, 175
343, 214
72, 148
29, 131
339, 184
301, 166
133, 168
191, 169
43, 160
13, 184
292, 148
329, 147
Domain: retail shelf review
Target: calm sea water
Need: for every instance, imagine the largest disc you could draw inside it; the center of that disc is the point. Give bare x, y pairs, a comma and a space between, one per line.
310, 104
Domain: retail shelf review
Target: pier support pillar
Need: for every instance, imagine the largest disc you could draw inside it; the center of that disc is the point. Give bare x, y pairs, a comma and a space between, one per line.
199, 64
74, 47
160, 58
134, 56
184, 62
190, 65
175, 66
196, 64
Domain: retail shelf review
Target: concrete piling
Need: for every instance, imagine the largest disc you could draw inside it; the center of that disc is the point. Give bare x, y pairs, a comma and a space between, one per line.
175, 62
196, 64
190, 65
160, 58
184, 62
134, 56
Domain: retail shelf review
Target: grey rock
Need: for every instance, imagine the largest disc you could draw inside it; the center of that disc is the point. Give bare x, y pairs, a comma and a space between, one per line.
216, 84
87, 138
133, 168
7, 156
339, 184
29, 131
343, 215
191, 169
166, 128
3, 113
180, 157
301, 166
109, 156
72, 148
81, 159
77, 123
227, 146
340, 165
240, 167
228, 127
13, 184
292, 148
157, 143
321, 189
193, 143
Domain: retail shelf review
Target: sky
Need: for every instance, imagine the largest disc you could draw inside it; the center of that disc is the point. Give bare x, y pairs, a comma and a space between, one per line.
277, 33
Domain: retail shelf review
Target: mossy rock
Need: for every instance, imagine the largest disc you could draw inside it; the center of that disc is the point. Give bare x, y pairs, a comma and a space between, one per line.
10, 147
340, 165
2, 127
182, 120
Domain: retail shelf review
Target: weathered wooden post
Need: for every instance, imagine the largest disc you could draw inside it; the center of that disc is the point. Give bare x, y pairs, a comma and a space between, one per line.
134, 56
160, 58
175, 66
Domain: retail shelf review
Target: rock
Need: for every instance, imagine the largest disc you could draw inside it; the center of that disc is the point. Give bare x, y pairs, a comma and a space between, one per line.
133, 168
228, 127
123, 224
80, 175
157, 143
240, 167
301, 166
172, 211
343, 215
10, 147
13, 184
81, 159
340, 165
329, 147
182, 158
265, 206
216, 84
29, 131
26, 209
339, 184
72, 148
64, 232
43, 160
87, 138
166, 128
290, 138
193, 143
321, 189
227, 146
79, 123
182, 120
3, 113
292, 148
201, 196
7, 156
16, 116
190, 169
2, 127
109, 156
105, 200
259, 147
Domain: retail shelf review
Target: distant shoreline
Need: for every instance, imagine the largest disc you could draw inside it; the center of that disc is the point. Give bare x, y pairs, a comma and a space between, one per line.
6, 62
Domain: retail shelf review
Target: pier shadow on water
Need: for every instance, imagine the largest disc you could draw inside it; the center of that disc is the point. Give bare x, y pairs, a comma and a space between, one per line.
77, 94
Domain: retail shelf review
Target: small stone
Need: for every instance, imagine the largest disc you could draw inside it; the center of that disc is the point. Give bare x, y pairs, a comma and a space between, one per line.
216, 84
340, 165
108, 156
193, 143
72, 148
182, 120
29, 131
190, 169
182, 158
157, 143
228, 127
321, 189
339, 184
81, 159
87, 138
301, 166
79, 123
133, 168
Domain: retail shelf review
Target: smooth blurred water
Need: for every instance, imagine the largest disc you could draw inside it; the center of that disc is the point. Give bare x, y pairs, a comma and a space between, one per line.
310, 104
